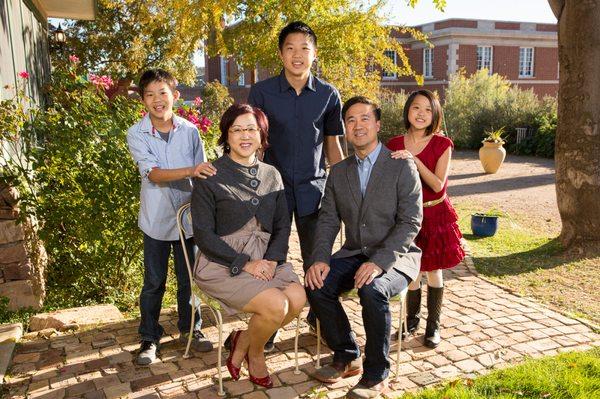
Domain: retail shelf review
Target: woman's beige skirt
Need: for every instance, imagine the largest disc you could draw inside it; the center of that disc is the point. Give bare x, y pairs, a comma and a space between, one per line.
234, 292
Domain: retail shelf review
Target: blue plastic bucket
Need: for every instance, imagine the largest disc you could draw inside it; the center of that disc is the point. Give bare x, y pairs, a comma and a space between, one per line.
484, 226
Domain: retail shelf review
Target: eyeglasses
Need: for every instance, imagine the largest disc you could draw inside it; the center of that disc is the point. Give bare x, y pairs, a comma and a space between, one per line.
239, 130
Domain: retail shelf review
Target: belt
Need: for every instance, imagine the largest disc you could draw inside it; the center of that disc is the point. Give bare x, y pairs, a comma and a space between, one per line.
429, 204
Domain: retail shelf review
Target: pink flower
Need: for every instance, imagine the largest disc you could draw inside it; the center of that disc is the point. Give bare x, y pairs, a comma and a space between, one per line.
101, 82
73, 58
205, 124
143, 113
197, 101
24, 75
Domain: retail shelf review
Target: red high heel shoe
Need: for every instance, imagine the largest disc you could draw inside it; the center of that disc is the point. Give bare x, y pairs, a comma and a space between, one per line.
233, 370
266, 382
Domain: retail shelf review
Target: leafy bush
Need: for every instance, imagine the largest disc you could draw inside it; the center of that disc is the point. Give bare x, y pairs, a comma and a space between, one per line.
392, 108
216, 100
76, 176
482, 102
87, 194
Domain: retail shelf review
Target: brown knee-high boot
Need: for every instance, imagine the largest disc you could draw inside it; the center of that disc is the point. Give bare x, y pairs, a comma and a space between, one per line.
434, 310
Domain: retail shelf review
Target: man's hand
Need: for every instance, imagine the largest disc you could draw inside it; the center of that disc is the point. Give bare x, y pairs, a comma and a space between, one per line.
366, 273
203, 170
316, 274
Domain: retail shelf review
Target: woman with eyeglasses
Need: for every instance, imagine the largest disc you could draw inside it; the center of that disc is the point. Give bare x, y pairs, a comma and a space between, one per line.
241, 226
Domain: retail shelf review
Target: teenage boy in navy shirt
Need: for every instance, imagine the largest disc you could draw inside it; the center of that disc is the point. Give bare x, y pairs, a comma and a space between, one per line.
168, 152
305, 120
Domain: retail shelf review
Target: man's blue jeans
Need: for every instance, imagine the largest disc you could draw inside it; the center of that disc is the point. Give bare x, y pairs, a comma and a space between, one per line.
377, 319
156, 260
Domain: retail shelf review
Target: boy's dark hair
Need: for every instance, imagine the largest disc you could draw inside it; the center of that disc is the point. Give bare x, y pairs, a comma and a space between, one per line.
296, 27
361, 100
437, 115
231, 114
156, 75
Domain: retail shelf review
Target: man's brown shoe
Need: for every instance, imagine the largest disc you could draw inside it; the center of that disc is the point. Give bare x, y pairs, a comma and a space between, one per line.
366, 389
334, 372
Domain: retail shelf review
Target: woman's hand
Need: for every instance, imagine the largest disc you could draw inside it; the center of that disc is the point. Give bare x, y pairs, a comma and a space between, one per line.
261, 269
402, 154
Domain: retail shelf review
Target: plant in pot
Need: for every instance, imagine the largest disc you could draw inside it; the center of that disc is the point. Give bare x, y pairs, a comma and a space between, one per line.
485, 224
492, 154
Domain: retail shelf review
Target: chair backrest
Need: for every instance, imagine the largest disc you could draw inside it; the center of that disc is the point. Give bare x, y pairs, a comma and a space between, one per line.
184, 224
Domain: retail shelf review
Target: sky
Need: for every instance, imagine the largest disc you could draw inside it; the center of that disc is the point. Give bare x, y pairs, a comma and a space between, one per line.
503, 10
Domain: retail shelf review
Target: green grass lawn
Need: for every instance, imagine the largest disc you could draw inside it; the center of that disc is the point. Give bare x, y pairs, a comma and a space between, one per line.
574, 375
526, 259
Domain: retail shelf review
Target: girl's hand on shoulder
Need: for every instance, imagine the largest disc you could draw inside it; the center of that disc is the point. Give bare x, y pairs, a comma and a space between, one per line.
402, 154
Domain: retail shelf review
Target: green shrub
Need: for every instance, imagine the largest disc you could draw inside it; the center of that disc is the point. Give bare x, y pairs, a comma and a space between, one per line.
87, 194
216, 100
392, 107
482, 102
76, 177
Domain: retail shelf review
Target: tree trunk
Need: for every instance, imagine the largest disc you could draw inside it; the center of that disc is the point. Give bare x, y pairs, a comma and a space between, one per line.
577, 150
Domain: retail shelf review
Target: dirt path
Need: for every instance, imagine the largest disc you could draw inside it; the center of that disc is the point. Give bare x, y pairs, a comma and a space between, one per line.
523, 186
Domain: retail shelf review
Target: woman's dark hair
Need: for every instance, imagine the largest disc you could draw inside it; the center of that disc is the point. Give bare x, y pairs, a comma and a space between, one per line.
296, 27
231, 114
156, 75
437, 115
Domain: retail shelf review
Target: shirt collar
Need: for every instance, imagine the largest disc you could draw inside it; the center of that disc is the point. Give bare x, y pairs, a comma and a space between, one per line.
373, 155
146, 125
284, 85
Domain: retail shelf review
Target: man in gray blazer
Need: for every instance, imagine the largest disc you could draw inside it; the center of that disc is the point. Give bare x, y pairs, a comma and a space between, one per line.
379, 200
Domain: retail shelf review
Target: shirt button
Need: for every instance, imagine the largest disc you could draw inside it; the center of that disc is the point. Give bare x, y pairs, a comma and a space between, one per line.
253, 171
254, 201
364, 225
365, 247
254, 183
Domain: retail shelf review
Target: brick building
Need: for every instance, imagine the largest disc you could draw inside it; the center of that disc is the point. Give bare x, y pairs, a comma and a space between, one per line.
526, 53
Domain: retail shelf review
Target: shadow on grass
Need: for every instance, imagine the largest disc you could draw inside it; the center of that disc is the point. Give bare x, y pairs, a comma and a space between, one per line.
546, 256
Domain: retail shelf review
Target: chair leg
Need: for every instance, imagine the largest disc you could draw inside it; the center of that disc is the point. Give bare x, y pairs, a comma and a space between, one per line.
186, 355
401, 324
221, 392
297, 370
318, 343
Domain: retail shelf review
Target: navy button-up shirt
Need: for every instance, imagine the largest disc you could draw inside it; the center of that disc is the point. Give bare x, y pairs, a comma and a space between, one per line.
297, 126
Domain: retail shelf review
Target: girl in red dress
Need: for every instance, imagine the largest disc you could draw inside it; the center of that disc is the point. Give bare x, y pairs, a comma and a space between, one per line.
439, 238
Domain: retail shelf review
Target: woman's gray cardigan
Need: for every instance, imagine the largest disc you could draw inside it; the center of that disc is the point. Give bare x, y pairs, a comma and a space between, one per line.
222, 204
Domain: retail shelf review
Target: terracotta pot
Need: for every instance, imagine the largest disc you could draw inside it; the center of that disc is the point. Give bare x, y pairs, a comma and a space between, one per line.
491, 156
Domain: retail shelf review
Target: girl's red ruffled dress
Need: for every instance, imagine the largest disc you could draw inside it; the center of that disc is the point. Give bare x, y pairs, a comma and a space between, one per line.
439, 238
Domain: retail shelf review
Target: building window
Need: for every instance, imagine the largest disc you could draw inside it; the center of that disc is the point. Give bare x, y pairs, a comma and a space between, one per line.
391, 54
526, 62
428, 63
241, 76
484, 58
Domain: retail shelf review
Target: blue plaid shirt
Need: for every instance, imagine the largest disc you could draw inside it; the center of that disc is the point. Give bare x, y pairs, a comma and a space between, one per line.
365, 166
159, 202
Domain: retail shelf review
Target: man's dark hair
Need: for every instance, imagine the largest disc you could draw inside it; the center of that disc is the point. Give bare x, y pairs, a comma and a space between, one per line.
296, 27
361, 100
156, 75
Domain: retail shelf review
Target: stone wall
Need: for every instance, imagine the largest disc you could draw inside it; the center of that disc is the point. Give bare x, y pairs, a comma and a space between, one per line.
22, 257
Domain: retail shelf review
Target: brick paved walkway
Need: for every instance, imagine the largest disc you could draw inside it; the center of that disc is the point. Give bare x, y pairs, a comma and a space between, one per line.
484, 327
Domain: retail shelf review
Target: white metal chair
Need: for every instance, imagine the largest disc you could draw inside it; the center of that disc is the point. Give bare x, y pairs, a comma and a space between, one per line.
184, 223
401, 325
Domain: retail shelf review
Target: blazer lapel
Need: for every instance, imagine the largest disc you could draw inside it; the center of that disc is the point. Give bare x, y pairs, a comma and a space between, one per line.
354, 182
374, 180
